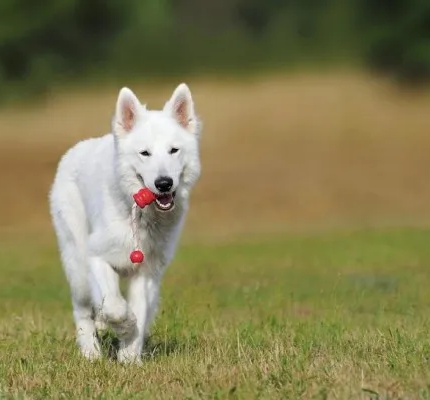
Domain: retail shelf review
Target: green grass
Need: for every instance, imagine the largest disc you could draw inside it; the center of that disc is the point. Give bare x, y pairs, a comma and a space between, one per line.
336, 316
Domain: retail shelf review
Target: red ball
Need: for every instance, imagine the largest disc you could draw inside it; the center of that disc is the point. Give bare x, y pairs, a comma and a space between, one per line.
136, 257
144, 197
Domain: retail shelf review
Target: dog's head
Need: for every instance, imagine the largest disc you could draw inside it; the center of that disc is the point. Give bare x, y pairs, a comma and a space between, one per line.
160, 149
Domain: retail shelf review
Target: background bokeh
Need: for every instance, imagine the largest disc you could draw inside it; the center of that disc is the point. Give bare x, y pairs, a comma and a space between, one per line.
315, 112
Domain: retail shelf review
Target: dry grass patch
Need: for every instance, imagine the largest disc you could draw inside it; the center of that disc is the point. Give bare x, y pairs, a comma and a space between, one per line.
286, 153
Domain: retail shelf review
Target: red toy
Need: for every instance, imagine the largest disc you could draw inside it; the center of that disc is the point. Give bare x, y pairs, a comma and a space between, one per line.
136, 257
142, 198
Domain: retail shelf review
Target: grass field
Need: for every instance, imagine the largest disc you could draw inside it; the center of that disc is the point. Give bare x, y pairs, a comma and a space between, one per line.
338, 316
304, 266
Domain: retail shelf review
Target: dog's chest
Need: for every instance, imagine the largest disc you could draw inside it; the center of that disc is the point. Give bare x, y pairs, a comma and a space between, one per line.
155, 238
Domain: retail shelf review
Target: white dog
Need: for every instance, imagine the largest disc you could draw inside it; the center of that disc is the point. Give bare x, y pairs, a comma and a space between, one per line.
91, 203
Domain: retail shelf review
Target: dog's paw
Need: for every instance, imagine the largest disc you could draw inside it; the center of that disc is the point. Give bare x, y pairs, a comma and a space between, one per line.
89, 347
114, 311
126, 328
118, 315
91, 353
128, 356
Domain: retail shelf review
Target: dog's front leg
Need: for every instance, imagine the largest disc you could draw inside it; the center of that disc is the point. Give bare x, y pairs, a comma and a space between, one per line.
143, 299
108, 299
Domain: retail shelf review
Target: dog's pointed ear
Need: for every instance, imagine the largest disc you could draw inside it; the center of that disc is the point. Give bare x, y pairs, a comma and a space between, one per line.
181, 107
127, 109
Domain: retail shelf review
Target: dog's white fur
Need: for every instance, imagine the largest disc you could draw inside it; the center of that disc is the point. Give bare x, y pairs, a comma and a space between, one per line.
91, 202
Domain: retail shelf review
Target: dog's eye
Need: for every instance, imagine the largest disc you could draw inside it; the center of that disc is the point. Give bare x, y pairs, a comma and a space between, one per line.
145, 153
173, 150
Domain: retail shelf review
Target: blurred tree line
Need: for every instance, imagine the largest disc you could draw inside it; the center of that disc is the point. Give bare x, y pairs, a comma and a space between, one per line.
46, 41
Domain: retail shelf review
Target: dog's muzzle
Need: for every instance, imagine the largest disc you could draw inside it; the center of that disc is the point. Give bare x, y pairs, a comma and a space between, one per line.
165, 201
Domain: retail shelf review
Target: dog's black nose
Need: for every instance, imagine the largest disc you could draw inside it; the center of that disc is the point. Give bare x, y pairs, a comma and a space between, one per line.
163, 183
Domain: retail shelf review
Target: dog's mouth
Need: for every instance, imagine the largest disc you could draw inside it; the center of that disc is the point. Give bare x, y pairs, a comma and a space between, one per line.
165, 202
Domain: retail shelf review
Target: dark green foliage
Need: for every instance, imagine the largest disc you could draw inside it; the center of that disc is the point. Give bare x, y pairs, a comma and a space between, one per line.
41, 41
397, 37
47, 41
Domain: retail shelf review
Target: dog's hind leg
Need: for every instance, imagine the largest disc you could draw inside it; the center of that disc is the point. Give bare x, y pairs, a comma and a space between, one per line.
70, 225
